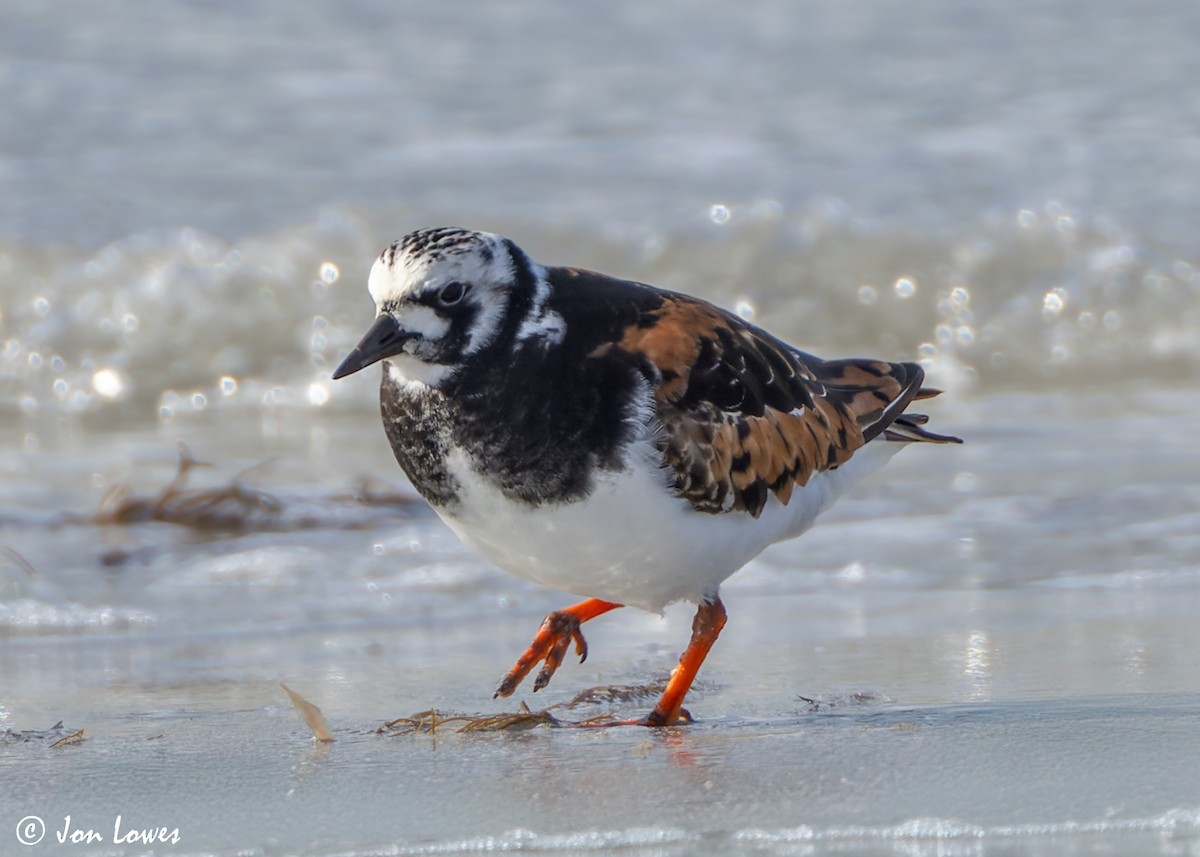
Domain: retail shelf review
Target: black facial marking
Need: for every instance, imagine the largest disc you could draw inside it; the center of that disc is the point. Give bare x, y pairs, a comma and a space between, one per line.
538, 421
462, 316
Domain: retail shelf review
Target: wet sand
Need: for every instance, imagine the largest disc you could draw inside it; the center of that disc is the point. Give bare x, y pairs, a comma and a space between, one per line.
1000, 664
892, 757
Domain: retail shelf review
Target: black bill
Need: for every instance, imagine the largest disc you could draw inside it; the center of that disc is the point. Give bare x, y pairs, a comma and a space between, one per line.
383, 339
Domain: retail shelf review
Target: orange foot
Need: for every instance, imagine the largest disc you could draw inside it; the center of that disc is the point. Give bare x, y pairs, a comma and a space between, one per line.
551, 642
706, 627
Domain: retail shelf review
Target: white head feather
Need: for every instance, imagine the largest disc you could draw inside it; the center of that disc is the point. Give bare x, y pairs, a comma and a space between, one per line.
428, 261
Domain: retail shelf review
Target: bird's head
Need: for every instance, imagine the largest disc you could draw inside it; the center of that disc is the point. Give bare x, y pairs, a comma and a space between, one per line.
441, 296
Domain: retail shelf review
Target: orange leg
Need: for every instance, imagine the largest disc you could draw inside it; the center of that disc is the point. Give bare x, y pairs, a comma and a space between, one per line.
710, 619
551, 642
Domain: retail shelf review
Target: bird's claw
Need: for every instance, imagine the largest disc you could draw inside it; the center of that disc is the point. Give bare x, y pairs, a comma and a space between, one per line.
655, 718
550, 644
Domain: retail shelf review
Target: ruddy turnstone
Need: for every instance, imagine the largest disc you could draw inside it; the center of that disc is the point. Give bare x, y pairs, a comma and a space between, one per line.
611, 439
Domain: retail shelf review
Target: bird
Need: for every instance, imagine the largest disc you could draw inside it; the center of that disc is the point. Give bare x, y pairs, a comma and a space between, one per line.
624, 443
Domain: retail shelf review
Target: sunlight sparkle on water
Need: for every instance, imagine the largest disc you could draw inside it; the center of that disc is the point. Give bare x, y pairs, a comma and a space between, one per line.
977, 663
1053, 303
108, 383
720, 214
166, 404
318, 394
329, 273
228, 385
905, 287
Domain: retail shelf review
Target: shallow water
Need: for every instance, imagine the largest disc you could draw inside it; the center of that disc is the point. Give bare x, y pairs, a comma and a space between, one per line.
986, 650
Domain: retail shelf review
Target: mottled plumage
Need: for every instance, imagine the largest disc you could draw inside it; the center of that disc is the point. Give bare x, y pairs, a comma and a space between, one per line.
619, 441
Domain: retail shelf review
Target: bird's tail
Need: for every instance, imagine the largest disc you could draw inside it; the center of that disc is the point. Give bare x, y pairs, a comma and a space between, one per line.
907, 428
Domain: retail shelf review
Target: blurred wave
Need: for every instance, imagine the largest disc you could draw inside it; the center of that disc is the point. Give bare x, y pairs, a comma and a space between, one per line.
173, 322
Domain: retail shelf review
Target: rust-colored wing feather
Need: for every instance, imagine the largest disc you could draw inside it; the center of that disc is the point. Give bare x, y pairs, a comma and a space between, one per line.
744, 415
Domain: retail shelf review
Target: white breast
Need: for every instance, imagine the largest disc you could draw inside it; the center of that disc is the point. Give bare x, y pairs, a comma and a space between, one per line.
631, 540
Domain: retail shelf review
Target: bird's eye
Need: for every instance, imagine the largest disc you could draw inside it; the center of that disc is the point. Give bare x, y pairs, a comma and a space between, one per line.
451, 293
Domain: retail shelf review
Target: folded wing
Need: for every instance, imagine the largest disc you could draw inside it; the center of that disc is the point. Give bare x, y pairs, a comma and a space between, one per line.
745, 416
